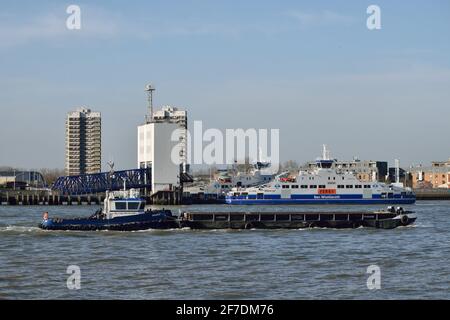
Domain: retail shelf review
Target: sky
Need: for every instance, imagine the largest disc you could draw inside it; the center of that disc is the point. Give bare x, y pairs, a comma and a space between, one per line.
311, 69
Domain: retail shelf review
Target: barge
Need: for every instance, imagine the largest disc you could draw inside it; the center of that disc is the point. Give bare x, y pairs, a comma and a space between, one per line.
386, 219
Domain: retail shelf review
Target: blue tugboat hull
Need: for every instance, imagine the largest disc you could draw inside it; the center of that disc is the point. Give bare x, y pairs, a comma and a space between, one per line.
142, 221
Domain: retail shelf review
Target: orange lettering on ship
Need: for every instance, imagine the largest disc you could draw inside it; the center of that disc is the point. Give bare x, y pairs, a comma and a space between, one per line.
327, 191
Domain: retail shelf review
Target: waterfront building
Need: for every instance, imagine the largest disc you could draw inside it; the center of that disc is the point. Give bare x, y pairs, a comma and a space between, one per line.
435, 176
162, 146
83, 142
365, 170
21, 180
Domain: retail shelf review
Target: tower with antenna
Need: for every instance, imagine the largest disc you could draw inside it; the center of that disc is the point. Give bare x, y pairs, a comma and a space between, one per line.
149, 88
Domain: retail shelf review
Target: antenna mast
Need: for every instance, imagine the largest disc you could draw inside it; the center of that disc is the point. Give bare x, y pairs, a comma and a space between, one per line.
149, 89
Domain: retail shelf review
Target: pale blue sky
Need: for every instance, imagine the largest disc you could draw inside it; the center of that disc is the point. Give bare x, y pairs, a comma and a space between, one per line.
311, 69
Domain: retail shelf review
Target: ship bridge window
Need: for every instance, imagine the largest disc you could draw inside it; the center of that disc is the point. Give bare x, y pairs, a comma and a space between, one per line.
358, 186
304, 186
313, 186
349, 186
133, 205
322, 186
340, 186
367, 186
285, 186
142, 207
121, 205
294, 186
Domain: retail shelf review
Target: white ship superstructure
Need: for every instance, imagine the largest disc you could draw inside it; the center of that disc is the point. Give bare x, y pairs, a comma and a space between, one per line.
325, 184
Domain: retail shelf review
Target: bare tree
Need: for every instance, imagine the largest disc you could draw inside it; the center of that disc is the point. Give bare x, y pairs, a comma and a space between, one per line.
50, 175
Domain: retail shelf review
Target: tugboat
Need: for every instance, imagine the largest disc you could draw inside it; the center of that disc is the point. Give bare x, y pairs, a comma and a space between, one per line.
122, 211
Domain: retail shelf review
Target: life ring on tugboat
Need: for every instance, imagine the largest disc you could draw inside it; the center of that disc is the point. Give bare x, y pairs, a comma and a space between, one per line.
404, 220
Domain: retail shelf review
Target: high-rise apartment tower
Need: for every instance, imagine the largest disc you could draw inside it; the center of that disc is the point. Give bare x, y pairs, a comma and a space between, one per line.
83, 142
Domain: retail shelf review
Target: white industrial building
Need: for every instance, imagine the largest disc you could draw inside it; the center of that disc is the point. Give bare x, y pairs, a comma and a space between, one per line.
162, 147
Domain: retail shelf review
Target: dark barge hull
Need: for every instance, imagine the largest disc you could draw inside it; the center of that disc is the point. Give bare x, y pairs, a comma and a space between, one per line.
338, 220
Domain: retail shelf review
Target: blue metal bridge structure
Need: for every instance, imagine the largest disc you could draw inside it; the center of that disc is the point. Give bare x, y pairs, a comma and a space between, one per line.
100, 182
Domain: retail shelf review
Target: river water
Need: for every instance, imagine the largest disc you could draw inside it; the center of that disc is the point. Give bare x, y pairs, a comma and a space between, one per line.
414, 261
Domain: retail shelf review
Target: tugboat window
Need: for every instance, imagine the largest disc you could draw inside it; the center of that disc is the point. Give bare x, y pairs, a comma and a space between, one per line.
121, 205
133, 205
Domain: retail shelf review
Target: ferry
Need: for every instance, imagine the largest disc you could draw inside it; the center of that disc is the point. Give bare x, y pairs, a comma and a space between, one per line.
258, 174
122, 211
325, 184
